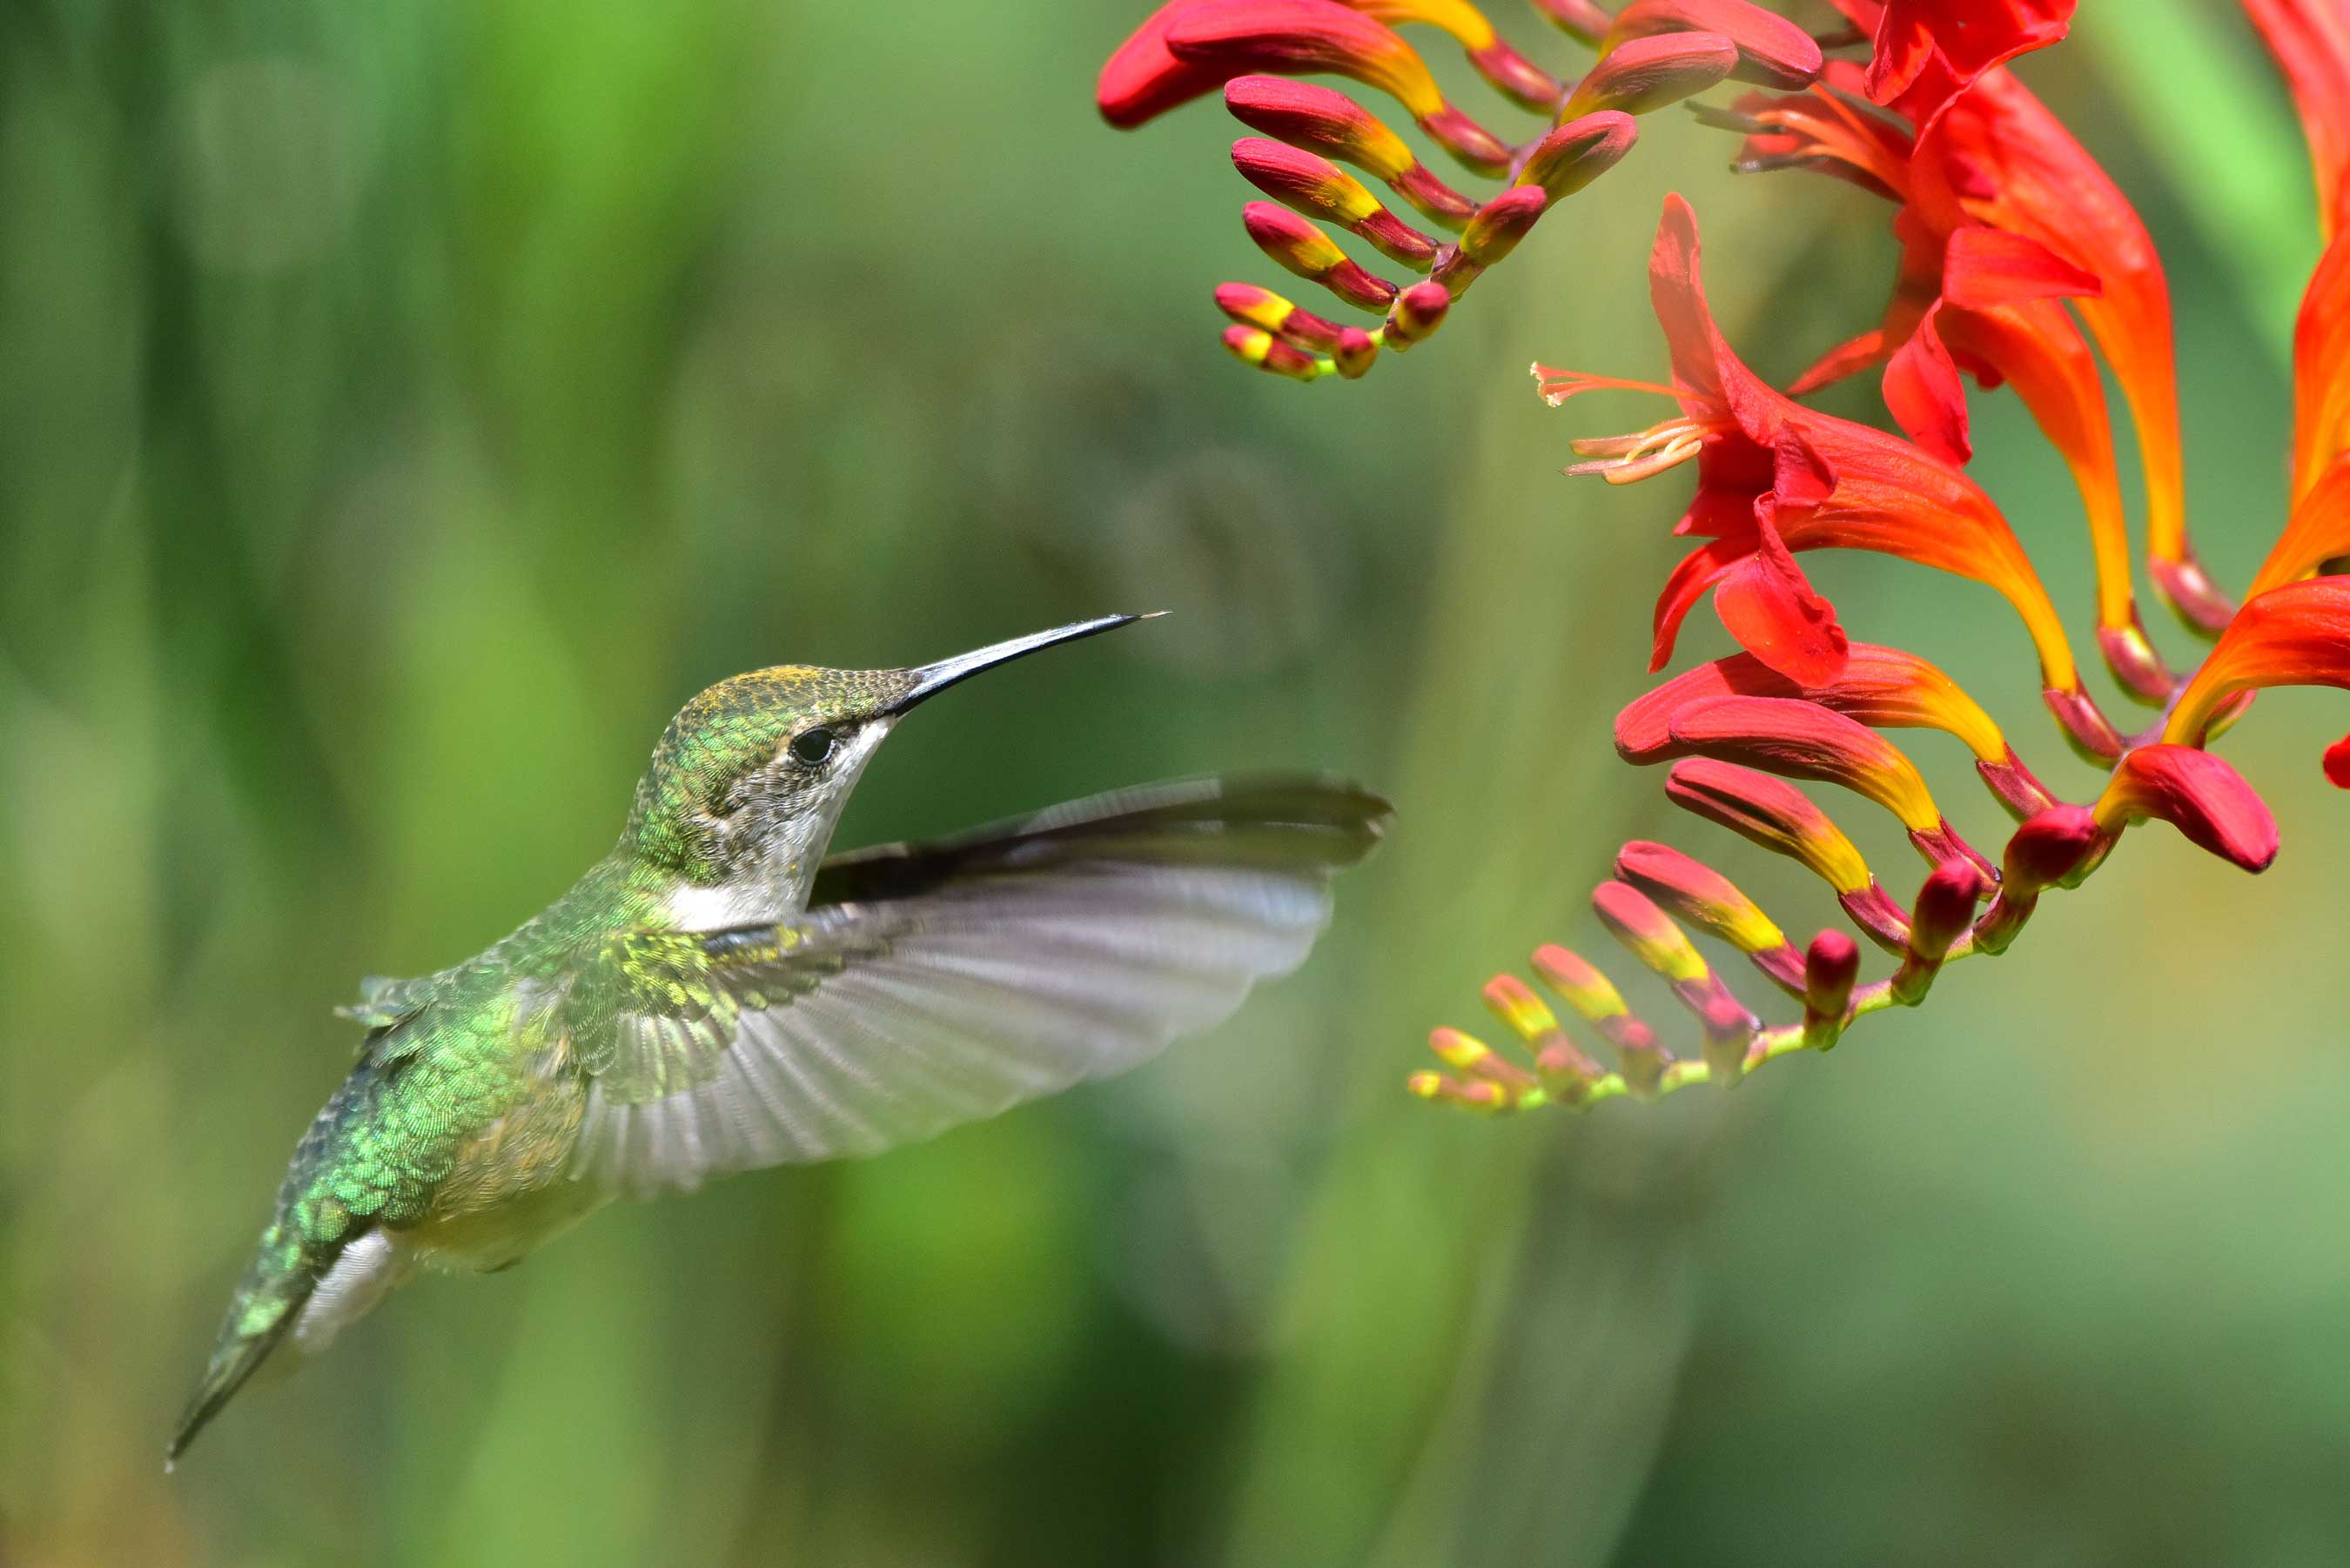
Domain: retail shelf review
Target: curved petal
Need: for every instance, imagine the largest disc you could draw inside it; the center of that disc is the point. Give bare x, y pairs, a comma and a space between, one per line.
1770, 607
1926, 397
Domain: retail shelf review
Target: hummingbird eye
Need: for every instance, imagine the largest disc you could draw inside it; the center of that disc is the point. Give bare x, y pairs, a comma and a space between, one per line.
810, 748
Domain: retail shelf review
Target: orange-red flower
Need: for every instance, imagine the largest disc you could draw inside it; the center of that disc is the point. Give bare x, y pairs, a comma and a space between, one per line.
1973, 298
1651, 54
2006, 161
1925, 52
1775, 477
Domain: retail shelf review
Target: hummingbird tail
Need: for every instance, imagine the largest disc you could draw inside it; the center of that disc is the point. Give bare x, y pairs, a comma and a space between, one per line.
233, 1360
268, 1302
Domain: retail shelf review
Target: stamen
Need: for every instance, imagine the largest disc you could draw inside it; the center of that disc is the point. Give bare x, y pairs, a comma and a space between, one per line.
1627, 459
1556, 385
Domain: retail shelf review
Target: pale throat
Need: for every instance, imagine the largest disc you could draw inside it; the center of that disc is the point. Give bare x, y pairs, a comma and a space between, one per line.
777, 889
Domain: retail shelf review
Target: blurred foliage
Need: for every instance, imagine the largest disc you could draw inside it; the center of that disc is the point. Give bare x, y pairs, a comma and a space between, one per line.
403, 409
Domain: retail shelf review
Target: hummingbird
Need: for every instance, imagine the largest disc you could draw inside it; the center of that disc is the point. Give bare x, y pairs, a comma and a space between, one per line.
718, 995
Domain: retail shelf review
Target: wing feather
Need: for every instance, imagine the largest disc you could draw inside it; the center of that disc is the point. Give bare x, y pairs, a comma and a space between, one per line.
932, 985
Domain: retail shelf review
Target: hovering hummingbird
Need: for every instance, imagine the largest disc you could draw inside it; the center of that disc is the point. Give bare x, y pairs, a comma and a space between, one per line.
716, 995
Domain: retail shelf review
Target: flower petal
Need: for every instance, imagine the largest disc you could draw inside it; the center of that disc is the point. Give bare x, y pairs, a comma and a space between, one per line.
1985, 268
1883, 688
1799, 740
1926, 397
1769, 606
2298, 635
2197, 793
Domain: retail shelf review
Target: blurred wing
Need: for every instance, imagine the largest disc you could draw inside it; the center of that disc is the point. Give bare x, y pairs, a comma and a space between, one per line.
933, 984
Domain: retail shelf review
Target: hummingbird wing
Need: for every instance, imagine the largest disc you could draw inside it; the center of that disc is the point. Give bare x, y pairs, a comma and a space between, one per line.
940, 983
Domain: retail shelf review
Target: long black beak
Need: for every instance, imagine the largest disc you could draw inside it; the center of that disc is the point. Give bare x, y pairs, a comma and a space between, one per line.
930, 679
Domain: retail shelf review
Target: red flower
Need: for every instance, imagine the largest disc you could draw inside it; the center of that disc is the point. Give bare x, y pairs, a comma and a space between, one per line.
2008, 162
1978, 298
1775, 477
1925, 52
1651, 54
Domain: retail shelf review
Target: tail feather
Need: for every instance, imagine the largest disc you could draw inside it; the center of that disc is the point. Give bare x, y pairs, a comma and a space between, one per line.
267, 1303
234, 1360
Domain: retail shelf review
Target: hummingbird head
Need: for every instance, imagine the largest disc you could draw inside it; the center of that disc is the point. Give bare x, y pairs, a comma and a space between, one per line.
750, 778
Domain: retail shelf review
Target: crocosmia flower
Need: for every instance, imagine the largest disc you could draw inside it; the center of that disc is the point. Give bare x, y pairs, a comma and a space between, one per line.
1775, 477
2015, 260
1925, 52
1648, 56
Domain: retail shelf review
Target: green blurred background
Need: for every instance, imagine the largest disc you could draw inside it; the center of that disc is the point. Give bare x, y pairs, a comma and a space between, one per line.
403, 409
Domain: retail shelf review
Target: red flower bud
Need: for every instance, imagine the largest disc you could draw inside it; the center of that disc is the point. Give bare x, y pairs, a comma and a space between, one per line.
1417, 312
1831, 965
1945, 907
1707, 900
1783, 819
1143, 81
1320, 189
1577, 152
1641, 76
2049, 849
2057, 845
1350, 348
1773, 51
2197, 794
1254, 345
1334, 125
1306, 251
1491, 235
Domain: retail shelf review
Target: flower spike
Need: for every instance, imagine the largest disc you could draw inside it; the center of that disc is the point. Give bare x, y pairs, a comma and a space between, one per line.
1654, 52
2007, 230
